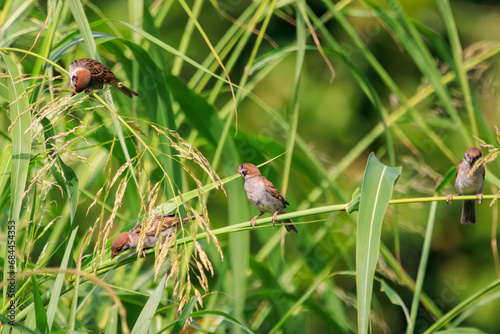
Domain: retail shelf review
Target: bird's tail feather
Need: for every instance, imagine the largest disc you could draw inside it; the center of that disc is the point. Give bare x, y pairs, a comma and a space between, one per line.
127, 91
468, 212
290, 227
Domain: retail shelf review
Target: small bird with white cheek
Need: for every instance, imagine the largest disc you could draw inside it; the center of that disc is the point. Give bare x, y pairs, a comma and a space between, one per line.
89, 74
468, 183
130, 239
263, 195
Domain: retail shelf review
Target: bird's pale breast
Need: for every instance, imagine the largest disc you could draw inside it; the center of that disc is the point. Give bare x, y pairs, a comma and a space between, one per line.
260, 198
470, 185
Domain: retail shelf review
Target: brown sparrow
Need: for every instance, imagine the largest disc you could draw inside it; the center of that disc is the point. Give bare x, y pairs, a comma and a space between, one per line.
130, 239
263, 195
89, 74
469, 184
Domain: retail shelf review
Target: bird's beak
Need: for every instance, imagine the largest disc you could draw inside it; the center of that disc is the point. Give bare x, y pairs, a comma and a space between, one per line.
238, 170
113, 254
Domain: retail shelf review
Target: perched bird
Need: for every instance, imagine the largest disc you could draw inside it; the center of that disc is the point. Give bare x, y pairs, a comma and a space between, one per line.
130, 239
263, 195
468, 183
89, 74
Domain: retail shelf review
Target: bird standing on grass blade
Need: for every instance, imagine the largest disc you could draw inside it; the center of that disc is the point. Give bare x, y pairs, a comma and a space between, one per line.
89, 74
263, 195
468, 183
130, 239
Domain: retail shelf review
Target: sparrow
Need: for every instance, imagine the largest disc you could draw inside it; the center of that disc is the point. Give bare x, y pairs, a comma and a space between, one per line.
89, 74
263, 195
130, 239
469, 184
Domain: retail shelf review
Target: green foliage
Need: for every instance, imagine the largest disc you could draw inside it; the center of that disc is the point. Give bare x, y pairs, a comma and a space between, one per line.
376, 191
227, 82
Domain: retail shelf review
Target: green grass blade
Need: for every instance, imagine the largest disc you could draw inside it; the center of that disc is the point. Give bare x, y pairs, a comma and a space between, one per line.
186, 37
41, 317
462, 331
20, 119
20, 327
456, 49
325, 273
422, 267
186, 311
112, 322
377, 187
461, 307
83, 24
12, 15
46, 46
384, 75
5, 168
58, 283
64, 175
147, 313
395, 298
173, 51
224, 315
292, 133
474, 308
416, 48
450, 175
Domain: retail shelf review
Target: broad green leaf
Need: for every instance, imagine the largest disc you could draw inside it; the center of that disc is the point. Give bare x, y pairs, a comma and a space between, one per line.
395, 298
376, 191
149, 310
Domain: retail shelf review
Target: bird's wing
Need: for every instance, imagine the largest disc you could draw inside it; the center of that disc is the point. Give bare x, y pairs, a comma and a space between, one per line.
271, 189
101, 73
